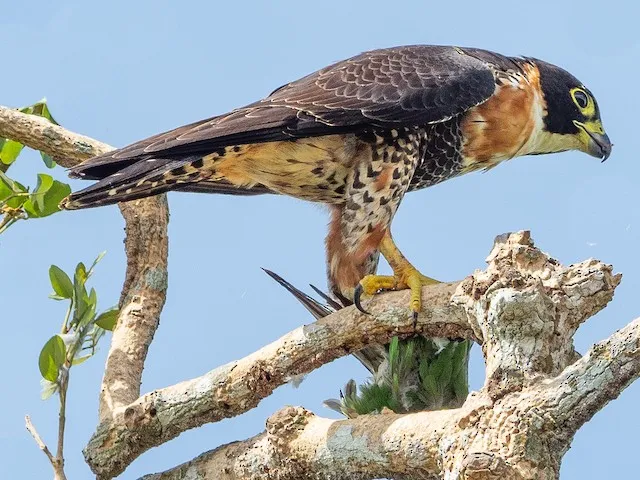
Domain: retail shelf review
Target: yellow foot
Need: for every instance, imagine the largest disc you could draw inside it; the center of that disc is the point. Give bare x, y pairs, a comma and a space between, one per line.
405, 276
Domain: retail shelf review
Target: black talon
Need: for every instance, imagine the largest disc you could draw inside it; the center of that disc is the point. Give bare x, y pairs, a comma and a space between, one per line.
356, 299
415, 321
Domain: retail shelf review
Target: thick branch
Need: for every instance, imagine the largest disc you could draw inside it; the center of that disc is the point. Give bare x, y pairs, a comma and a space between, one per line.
600, 376
237, 387
145, 284
525, 308
298, 445
456, 444
516, 308
143, 296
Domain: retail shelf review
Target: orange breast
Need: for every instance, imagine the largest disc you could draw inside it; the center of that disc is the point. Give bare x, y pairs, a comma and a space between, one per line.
501, 127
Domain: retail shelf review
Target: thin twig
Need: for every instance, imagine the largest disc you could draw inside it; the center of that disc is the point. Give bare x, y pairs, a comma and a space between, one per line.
64, 385
36, 436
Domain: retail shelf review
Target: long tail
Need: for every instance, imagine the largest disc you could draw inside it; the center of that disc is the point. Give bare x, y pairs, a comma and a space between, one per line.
148, 177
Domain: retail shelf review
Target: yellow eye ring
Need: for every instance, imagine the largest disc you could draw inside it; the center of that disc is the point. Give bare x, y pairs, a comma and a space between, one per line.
583, 101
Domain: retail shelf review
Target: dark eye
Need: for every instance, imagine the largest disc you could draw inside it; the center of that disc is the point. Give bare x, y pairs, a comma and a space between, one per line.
580, 98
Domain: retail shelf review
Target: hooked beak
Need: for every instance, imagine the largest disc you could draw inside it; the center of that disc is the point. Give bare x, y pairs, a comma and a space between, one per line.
597, 141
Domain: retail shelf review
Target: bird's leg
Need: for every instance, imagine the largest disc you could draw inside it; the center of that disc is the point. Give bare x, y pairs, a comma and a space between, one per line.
404, 276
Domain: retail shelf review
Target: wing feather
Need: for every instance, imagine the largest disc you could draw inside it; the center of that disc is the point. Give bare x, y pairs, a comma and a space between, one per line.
383, 88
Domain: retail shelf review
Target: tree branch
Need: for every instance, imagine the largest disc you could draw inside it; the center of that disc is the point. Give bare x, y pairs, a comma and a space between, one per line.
585, 387
57, 462
495, 307
141, 302
145, 283
38, 439
65, 147
234, 388
517, 437
524, 307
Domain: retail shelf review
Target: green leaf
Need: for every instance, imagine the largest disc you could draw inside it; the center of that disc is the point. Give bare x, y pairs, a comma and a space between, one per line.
43, 204
80, 277
6, 187
79, 360
41, 109
93, 298
48, 161
17, 201
52, 357
89, 310
12, 185
108, 319
45, 182
9, 151
96, 334
16, 191
60, 282
95, 262
80, 293
393, 351
88, 314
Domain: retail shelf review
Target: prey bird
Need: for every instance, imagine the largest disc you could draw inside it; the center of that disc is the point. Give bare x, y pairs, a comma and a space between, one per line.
356, 136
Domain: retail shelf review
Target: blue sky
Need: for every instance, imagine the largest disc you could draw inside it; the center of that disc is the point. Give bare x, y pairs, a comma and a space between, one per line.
120, 71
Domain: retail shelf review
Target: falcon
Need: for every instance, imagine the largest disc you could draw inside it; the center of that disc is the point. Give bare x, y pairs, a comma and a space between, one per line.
356, 136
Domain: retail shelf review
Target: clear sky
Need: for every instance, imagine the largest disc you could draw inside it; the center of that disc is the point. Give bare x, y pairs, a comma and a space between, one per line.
119, 71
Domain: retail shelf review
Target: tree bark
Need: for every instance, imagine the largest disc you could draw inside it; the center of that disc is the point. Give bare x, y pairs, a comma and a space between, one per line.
538, 392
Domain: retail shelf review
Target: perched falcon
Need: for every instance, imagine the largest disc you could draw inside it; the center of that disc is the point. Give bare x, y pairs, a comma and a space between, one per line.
358, 135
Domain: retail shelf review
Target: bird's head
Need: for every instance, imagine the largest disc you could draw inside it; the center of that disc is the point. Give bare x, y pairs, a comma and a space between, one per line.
571, 120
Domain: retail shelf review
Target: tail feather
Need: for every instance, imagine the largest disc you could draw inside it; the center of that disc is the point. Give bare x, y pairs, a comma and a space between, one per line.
315, 308
152, 176
141, 179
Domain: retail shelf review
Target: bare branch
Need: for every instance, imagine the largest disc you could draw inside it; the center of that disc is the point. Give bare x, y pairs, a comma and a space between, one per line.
62, 413
57, 462
143, 296
145, 283
483, 440
36, 436
517, 308
67, 148
600, 376
238, 386
479, 441
299, 445
525, 307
